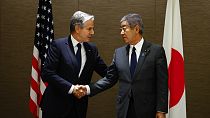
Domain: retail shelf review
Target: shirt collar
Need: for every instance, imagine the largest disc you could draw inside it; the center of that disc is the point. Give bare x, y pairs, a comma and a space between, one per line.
74, 41
138, 46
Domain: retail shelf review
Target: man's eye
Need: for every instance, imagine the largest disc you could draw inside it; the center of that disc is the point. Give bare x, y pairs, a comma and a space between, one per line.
123, 28
90, 29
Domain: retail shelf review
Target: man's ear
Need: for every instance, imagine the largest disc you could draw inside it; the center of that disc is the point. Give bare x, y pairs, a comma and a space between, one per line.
137, 29
77, 28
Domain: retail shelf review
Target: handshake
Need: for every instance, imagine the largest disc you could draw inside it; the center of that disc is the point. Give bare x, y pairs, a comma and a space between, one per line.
79, 91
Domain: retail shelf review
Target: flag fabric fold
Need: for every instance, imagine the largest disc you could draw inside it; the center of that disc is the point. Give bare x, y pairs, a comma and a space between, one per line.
44, 34
173, 45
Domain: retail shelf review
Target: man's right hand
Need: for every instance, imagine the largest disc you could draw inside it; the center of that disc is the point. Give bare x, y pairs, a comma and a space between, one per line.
79, 91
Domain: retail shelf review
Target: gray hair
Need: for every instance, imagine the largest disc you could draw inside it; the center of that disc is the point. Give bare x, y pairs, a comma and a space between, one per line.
133, 20
79, 18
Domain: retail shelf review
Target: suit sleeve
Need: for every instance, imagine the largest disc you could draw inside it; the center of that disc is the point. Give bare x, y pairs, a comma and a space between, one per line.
100, 66
49, 71
107, 82
162, 82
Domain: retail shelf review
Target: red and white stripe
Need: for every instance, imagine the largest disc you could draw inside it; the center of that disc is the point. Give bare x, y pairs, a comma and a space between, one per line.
37, 86
172, 43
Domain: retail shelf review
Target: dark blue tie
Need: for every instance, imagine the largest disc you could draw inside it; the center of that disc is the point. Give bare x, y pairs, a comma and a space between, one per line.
133, 62
78, 54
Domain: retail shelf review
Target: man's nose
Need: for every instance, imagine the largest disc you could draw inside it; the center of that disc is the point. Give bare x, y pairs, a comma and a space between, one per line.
92, 32
122, 32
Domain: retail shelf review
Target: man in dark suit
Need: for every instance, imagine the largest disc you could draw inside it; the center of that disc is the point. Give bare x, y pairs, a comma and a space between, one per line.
70, 62
141, 69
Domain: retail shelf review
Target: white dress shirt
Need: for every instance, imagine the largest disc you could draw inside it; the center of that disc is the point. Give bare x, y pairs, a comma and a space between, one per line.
138, 47
84, 58
83, 53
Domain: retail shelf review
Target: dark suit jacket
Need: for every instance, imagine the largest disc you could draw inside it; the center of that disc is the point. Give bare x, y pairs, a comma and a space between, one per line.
148, 87
61, 71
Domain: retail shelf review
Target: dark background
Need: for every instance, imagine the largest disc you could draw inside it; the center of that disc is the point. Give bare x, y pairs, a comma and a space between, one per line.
17, 25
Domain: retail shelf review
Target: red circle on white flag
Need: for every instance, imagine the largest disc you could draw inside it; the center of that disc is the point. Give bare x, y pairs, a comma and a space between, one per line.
176, 77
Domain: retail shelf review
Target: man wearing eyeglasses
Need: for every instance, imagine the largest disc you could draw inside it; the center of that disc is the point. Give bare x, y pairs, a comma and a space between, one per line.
141, 68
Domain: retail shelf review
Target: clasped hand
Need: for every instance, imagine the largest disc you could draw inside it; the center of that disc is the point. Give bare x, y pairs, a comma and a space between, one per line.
79, 91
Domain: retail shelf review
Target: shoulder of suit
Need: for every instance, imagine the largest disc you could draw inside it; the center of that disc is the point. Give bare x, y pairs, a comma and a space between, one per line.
120, 48
151, 44
60, 40
90, 44
156, 45
123, 48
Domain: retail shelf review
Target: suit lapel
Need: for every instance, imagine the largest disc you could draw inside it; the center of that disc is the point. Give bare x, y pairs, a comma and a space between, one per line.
125, 60
144, 51
70, 50
89, 56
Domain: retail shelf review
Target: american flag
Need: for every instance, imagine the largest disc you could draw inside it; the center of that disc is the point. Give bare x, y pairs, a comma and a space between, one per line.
44, 35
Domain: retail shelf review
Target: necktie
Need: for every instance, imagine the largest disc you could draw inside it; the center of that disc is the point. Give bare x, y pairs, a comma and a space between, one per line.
133, 62
78, 54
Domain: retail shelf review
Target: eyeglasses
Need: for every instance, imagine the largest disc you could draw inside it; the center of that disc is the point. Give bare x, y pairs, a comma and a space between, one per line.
124, 28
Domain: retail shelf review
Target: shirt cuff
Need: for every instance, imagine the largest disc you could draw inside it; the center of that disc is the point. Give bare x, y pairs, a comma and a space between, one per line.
71, 89
88, 89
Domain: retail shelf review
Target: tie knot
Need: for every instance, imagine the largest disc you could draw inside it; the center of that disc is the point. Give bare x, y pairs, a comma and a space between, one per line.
79, 45
133, 50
